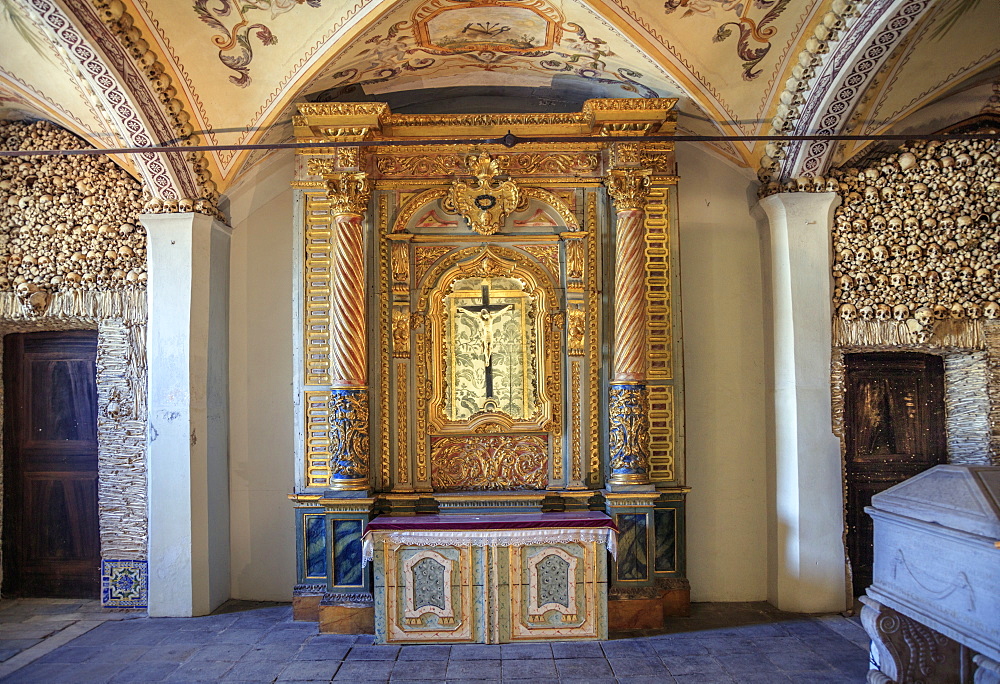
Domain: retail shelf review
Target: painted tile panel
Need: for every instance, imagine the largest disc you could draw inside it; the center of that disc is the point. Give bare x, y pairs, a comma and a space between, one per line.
665, 521
314, 532
347, 552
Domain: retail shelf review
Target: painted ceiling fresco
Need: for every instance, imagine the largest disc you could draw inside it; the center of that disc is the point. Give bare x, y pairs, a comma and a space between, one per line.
237, 68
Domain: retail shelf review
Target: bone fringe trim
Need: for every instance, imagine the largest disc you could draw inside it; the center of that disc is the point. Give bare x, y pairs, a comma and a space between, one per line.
126, 305
962, 333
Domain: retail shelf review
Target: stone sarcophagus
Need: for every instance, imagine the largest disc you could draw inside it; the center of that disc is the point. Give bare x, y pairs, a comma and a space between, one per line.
933, 610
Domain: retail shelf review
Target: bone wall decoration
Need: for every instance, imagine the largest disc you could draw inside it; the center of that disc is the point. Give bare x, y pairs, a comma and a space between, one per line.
916, 246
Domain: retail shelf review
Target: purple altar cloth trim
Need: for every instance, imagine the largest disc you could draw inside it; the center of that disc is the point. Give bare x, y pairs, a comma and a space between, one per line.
509, 521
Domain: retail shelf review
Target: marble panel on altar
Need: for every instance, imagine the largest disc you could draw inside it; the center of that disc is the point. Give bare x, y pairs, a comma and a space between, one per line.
490, 578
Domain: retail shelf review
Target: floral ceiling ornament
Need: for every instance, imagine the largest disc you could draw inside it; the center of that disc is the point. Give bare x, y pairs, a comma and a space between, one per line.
230, 17
752, 31
492, 35
485, 202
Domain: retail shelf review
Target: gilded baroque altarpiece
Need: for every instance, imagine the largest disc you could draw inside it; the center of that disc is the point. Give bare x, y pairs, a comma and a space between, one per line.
482, 323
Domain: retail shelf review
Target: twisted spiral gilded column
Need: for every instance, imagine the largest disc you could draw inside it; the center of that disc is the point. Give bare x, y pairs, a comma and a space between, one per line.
628, 404
349, 194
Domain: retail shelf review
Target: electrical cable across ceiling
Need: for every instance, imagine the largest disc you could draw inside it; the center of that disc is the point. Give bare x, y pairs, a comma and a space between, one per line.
508, 140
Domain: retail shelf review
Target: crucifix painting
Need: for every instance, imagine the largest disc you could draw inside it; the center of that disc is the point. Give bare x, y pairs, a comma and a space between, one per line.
488, 365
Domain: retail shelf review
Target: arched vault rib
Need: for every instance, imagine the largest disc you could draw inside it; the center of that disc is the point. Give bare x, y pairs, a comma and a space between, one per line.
828, 83
124, 83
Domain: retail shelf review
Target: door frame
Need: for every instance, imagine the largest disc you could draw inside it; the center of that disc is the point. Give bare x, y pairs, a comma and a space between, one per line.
122, 516
838, 387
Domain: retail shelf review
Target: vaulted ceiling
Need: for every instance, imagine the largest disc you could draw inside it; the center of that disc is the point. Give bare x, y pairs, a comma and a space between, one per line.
126, 73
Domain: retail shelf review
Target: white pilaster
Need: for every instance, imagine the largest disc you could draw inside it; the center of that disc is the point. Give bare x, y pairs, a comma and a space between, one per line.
188, 441
808, 574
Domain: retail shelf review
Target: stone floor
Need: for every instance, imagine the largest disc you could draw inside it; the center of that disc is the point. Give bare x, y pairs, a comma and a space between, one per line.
44, 640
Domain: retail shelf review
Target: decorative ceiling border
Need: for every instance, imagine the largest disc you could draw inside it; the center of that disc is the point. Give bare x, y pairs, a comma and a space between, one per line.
835, 81
156, 173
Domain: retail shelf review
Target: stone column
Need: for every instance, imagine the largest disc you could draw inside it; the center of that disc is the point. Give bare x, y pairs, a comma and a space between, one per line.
349, 194
807, 517
188, 441
628, 404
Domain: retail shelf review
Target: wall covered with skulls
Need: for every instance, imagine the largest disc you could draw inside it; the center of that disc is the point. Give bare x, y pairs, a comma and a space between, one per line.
916, 266
916, 246
73, 256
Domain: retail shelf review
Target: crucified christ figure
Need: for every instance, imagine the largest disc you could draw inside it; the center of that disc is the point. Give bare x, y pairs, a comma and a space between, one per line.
485, 313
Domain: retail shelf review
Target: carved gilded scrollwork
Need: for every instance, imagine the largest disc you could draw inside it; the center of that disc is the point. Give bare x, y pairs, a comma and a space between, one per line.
349, 193
526, 164
400, 332
561, 208
575, 255
548, 255
576, 466
628, 188
593, 351
400, 258
402, 411
628, 431
486, 201
483, 462
577, 330
349, 439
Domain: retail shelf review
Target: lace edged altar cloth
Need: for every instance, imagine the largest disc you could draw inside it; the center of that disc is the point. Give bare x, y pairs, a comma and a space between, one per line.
510, 529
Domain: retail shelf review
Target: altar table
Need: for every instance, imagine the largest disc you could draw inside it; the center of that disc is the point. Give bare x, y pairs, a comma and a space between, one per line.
495, 578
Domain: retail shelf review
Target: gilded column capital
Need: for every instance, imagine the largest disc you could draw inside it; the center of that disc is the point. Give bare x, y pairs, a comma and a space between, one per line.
349, 193
629, 188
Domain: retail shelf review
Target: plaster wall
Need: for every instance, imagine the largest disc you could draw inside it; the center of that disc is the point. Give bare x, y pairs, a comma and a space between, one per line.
262, 407
725, 367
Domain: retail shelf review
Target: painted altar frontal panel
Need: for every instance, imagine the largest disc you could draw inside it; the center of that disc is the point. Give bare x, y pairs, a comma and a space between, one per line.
490, 594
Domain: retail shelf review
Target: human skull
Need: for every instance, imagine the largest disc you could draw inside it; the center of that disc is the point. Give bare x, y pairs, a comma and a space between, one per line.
947, 275
880, 253
900, 312
913, 252
866, 313
966, 274
864, 255
919, 190
882, 312
924, 316
913, 280
878, 222
860, 225
933, 250
845, 283
898, 280
881, 281
940, 312
957, 311
972, 310
848, 312
898, 251
991, 310
895, 223
871, 193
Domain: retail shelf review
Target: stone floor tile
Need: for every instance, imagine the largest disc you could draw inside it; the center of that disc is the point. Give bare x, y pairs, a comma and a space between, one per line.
526, 652
474, 669
322, 651
373, 653
678, 647
628, 648
799, 661
577, 649
200, 671
708, 678
476, 652
172, 654
692, 664
532, 669
6, 653
309, 670
364, 639
724, 645
663, 678
255, 670
223, 652
631, 667
766, 678
742, 663
232, 635
434, 670
584, 668
473, 681
364, 671
425, 652
144, 672
39, 672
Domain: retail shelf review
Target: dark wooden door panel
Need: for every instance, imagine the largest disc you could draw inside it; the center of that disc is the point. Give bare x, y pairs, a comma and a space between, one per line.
51, 539
894, 420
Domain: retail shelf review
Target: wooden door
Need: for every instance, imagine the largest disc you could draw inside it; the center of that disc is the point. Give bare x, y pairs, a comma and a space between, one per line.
51, 540
894, 420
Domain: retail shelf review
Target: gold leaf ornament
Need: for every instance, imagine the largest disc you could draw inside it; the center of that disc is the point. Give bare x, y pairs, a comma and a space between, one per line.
485, 202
